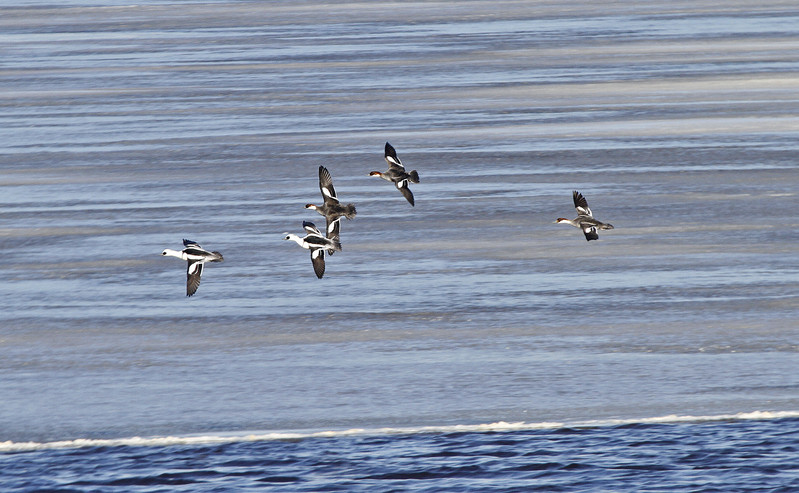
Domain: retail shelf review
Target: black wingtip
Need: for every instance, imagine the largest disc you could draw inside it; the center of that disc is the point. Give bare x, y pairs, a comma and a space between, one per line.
318, 264
579, 200
406, 192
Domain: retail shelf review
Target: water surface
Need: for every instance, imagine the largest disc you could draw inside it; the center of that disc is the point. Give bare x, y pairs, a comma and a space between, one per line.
127, 128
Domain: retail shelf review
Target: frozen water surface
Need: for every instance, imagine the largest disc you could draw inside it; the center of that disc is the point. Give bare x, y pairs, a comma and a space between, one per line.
127, 128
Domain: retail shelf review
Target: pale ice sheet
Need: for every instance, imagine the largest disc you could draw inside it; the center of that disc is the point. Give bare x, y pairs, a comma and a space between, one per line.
128, 128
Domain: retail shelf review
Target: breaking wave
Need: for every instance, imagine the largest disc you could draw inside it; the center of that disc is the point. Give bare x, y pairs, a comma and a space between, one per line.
500, 426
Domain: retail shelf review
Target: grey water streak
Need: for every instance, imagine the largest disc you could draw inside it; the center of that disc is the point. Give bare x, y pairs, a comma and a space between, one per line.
127, 128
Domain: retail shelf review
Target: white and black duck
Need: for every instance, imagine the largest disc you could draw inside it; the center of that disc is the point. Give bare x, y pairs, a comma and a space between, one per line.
196, 256
317, 243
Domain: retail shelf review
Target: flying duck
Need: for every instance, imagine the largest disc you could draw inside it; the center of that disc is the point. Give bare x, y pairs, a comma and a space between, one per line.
196, 256
585, 219
396, 173
316, 242
332, 209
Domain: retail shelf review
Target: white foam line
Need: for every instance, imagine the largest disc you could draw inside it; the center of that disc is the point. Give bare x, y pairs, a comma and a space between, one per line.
15, 447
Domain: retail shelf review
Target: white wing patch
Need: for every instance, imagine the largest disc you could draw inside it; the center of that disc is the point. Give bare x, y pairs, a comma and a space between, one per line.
393, 161
194, 267
327, 193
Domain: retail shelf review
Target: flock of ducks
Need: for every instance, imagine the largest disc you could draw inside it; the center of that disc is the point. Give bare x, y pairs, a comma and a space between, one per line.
333, 211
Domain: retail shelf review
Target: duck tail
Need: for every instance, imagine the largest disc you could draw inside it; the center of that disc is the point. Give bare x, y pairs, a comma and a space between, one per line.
414, 176
349, 212
606, 226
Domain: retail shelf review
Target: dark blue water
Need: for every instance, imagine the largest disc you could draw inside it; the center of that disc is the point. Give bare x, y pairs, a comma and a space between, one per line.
719, 456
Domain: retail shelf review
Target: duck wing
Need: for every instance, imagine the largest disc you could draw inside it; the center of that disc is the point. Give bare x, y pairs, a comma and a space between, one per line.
193, 274
318, 261
334, 231
402, 186
590, 232
581, 204
326, 186
311, 228
390, 155
334, 227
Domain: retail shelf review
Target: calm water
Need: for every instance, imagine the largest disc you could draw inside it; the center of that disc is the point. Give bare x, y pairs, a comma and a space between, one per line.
124, 129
